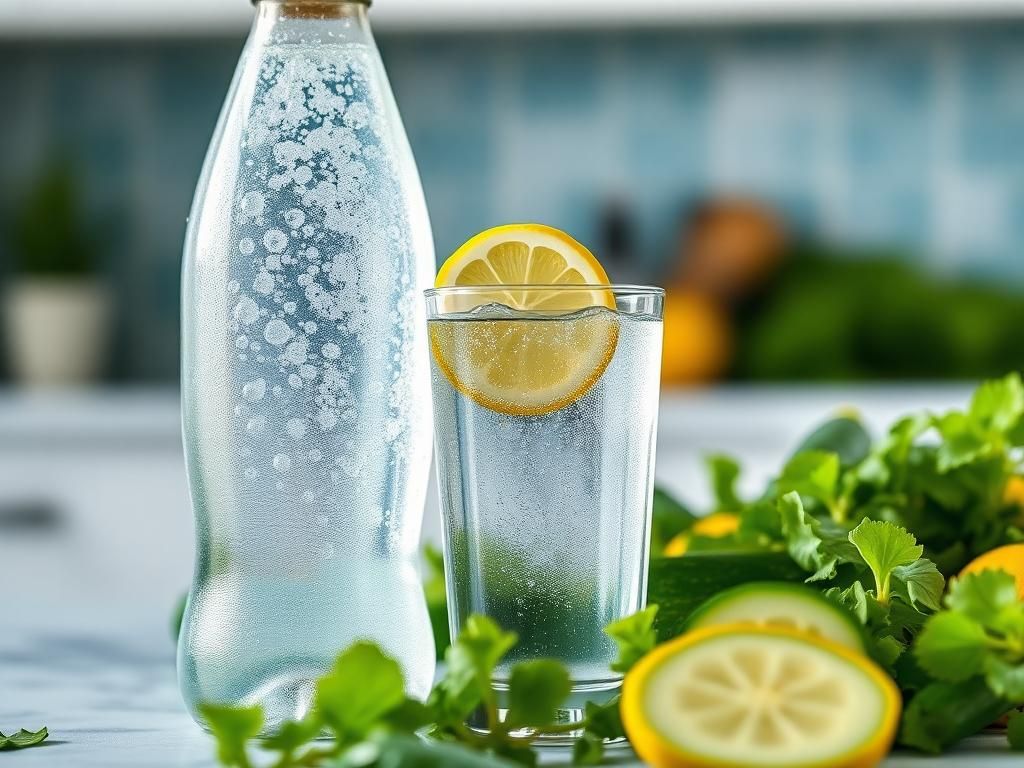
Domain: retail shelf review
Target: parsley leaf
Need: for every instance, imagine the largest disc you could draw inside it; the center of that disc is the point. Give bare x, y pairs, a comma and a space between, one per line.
361, 687
23, 739
1015, 731
884, 547
811, 473
951, 647
233, 727
635, 637
535, 689
804, 539
724, 473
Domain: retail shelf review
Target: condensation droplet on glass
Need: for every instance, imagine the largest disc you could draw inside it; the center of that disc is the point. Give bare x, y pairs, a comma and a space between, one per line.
312, 253
264, 283
309, 327
246, 311
295, 381
307, 372
278, 391
296, 428
315, 455
323, 520
251, 473
252, 205
246, 246
240, 410
279, 485
327, 551
256, 425
282, 462
242, 341
303, 174
275, 240
289, 307
296, 351
233, 286
308, 496
331, 351
277, 332
294, 218
254, 390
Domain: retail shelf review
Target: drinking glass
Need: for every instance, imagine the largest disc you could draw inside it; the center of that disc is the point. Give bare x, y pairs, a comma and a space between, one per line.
545, 422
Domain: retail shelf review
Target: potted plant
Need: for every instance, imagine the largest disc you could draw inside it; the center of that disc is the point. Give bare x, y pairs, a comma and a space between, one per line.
56, 307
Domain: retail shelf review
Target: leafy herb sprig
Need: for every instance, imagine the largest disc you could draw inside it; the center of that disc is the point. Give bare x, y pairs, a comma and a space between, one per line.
23, 739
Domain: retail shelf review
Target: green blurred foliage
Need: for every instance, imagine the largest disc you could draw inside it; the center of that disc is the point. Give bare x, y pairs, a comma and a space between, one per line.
848, 316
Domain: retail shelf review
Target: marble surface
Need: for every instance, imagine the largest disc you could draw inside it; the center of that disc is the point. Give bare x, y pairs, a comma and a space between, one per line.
112, 702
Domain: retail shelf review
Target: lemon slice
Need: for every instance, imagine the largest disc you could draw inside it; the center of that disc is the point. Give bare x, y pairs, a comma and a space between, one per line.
524, 365
758, 696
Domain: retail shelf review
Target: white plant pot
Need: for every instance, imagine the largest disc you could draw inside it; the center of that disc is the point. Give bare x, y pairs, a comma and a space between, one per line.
57, 330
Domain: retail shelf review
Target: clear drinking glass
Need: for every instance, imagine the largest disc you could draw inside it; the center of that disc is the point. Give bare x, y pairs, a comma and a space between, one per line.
545, 422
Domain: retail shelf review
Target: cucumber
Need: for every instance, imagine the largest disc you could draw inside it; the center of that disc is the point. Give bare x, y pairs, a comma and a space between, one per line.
773, 603
678, 585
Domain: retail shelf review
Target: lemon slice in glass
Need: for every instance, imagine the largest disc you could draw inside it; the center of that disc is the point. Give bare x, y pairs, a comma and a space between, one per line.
758, 696
524, 341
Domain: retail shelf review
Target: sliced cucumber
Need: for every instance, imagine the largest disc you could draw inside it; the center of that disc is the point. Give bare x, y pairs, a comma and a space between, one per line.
778, 604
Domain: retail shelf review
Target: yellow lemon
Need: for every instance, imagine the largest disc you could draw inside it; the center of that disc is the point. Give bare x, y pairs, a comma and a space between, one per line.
548, 353
741, 695
715, 526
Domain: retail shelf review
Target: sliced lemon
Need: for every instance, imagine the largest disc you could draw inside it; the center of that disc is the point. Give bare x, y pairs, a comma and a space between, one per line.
759, 696
516, 365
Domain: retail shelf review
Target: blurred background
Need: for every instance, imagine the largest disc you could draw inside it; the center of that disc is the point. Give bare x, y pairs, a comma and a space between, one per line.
831, 191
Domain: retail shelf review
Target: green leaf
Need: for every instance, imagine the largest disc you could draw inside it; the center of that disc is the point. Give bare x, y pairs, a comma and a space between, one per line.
853, 598
521, 754
803, 543
951, 647
535, 690
669, 518
23, 739
811, 473
919, 583
998, 404
1015, 731
362, 686
635, 637
294, 734
232, 727
470, 662
884, 546
941, 714
1005, 678
605, 719
724, 472
435, 591
983, 596
962, 442
843, 436
588, 750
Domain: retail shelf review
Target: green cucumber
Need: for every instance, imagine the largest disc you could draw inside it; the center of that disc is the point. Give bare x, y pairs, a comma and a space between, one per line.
779, 604
678, 585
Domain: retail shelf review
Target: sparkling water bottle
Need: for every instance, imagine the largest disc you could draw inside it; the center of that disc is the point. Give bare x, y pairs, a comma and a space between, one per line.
304, 371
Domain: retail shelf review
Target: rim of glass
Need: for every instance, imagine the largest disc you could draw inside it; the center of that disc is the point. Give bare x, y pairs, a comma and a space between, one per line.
618, 290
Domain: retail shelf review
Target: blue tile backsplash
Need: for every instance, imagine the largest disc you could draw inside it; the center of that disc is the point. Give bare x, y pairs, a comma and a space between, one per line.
903, 136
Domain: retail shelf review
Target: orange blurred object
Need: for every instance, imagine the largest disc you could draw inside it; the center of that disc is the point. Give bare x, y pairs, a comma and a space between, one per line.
698, 338
1009, 558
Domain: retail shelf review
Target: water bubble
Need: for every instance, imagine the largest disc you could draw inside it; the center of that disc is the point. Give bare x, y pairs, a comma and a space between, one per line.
254, 391
246, 311
294, 218
315, 455
246, 246
242, 342
331, 351
275, 240
277, 332
264, 283
252, 205
251, 473
296, 428
256, 425
295, 381
233, 286
282, 462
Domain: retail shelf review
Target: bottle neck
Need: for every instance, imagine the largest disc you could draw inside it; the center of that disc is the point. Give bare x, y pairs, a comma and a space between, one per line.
311, 21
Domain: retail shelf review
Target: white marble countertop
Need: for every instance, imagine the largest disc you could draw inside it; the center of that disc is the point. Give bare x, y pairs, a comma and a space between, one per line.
113, 703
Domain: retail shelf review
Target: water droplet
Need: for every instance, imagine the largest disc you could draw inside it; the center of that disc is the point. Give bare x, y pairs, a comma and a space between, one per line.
278, 391
315, 455
307, 372
277, 332
282, 462
246, 246
246, 311
289, 307
253, 204
242, 341
309, 327
303, 174
264, 283
327, 419
309, 496
254, 391
296, 428
312, 253
295, 352
331, 351
275, 240
256, 425
295, 381
233, 286
251, 473
294, 218
272, 262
